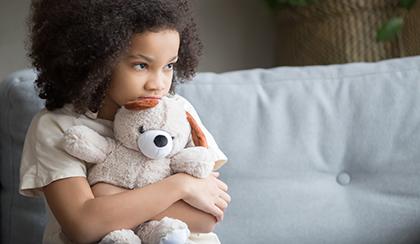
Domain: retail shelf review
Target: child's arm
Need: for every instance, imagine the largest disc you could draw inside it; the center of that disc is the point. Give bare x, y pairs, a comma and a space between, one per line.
197, 220
85, 218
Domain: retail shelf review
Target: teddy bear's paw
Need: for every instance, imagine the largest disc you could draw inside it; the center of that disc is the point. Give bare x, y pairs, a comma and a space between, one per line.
122, 236
196, 169
165, 231
85, 143
196, 161
179, 236
201, 170
178, 231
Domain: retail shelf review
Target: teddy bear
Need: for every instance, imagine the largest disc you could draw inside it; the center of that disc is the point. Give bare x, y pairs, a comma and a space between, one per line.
153, 138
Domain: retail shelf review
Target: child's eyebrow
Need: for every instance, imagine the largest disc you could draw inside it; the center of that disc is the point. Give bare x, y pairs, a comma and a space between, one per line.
149, 59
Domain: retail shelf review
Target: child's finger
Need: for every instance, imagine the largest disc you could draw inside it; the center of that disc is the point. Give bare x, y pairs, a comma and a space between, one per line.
225, 197
216, 174
217, 213
222, 185
222, 204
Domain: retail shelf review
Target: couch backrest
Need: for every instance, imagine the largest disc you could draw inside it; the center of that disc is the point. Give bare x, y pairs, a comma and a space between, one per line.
22, 218
322, 154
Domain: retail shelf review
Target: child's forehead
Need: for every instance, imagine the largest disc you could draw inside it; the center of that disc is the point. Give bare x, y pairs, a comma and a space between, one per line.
154, 45
151, 39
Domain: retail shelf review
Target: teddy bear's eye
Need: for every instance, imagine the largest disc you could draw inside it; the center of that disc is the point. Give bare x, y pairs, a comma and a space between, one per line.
141, 129
173, 137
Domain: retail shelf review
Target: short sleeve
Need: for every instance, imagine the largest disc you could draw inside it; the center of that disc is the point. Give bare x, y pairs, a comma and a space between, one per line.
43, 161
221, 157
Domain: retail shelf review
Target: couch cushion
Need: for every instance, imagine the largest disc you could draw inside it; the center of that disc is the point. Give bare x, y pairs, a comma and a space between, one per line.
22, 219
322, 154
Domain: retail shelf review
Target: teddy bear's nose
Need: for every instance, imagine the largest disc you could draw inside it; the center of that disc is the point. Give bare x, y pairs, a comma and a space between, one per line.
160, 141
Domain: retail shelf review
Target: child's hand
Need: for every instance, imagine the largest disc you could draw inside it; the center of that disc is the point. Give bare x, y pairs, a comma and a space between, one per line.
207, 194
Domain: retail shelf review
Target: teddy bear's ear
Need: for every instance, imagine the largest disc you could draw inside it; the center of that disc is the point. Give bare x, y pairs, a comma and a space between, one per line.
142, 104
197, 134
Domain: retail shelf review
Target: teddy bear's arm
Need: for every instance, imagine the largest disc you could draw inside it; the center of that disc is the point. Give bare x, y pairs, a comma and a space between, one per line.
86, 144
196, 161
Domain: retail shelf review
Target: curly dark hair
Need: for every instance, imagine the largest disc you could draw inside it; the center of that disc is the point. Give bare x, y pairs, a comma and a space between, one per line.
75, 44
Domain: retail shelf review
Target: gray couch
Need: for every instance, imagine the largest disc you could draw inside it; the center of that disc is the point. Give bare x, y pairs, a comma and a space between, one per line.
322, 154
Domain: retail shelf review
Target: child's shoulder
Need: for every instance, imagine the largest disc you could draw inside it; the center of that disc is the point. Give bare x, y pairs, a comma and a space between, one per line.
187, 105
53, 119
43, 159
55, 122
178, 97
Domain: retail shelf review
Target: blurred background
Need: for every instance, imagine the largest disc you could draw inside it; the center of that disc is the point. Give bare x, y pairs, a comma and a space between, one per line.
244, 34
237, 34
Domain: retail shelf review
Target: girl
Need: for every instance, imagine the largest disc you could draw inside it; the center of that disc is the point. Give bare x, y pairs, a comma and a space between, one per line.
93, 56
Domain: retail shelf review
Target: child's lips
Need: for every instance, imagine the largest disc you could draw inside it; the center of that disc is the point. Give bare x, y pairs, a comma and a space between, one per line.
149, 97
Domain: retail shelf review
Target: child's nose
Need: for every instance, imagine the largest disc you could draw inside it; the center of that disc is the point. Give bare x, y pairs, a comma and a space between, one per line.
155, 82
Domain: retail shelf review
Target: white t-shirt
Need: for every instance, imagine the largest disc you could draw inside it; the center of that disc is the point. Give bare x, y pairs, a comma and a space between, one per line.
43, 160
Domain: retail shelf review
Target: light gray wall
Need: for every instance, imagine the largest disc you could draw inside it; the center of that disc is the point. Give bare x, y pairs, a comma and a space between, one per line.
12, 35
237, 34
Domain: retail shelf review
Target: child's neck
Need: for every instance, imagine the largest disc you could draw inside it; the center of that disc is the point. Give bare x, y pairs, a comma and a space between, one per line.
108, 109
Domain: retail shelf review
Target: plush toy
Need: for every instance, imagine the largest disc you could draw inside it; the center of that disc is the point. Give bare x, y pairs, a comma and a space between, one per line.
154, 138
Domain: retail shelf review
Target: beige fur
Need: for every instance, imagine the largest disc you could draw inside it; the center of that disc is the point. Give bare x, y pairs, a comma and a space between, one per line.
121, 162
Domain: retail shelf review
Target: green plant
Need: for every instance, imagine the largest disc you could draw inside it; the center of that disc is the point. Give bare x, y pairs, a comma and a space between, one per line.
387, 32
392, 27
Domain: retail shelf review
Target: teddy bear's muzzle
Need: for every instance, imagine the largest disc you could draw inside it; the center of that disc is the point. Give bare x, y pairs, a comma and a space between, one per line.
155, 144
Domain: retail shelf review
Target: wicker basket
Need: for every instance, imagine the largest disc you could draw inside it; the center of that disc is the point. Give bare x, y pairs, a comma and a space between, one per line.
342, 31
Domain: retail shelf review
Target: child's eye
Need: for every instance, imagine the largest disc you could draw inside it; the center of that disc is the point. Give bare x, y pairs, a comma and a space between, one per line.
140, 66
170, 66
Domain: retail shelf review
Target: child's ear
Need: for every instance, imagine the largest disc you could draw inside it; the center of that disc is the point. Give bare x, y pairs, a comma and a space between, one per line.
197, 134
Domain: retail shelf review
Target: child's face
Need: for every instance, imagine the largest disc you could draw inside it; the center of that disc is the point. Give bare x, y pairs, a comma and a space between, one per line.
146, 70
